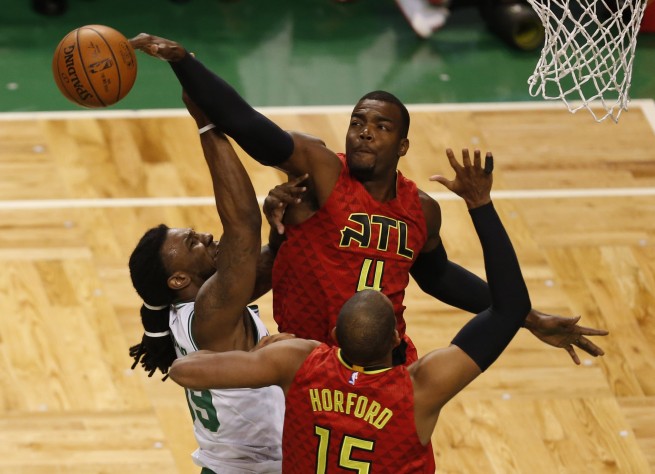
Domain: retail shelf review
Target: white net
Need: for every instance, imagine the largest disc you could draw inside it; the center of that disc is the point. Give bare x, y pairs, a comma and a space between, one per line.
588, 53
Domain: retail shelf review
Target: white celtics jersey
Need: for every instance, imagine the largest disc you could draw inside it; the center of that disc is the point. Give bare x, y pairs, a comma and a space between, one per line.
238, 430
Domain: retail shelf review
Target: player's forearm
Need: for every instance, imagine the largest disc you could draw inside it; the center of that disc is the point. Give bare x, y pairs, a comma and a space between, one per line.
509, 292
257, 135
204, 370
486, 335
235, 196
264, 280
449, 282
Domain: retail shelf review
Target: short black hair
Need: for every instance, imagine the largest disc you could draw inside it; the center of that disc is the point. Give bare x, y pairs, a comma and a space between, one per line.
147, 270
384, 96
365, 327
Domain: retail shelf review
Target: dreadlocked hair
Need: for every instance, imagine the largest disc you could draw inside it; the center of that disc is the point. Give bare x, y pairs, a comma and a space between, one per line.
149, 278
384, 96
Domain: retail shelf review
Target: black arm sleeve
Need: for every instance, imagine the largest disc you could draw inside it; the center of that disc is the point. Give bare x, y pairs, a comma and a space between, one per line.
450, 283
485, 336
257, 135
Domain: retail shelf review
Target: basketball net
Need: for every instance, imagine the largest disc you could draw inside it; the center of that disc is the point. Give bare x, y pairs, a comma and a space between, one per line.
588, 53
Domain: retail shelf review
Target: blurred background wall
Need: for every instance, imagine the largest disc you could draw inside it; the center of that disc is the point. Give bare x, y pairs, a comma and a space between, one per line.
285, 52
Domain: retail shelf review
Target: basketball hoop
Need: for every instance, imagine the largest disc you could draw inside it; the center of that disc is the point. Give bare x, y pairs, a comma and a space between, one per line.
588, 53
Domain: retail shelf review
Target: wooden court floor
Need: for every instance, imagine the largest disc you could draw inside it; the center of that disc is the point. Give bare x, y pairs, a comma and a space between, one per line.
578, 198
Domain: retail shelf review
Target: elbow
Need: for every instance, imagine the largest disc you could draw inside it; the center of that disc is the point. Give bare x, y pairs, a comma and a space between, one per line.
528, 306
524, 308
176, 372
179, 373
428, 281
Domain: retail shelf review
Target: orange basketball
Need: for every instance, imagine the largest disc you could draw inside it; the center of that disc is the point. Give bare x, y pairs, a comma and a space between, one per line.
94, 66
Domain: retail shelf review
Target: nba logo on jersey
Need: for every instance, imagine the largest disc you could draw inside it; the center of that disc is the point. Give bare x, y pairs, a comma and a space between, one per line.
353, 378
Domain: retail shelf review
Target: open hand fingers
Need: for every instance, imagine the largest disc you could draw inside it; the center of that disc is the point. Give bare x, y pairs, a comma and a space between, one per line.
454, 164
452, 160
466, 159
298, 180
158, 47
589, 347
591, 331
477, 161
476, 165
283, 194
488, 163
289, 192
572, 353
139, 40
145, 42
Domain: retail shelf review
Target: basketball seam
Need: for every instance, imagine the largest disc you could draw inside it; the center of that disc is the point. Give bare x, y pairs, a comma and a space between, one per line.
118, 71
77, 40
64, 90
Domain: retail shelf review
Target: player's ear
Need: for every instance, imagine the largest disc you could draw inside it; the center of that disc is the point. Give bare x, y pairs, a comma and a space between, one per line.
333, 335
178, 281
403, 146
396, 338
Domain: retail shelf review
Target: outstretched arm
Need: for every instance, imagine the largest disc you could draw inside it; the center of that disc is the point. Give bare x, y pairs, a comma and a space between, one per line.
221, 299
274, 364
510, 301
448, 282
441, 278
559, 331
264, 279
260, 137
445, 280
441, 374
283, 194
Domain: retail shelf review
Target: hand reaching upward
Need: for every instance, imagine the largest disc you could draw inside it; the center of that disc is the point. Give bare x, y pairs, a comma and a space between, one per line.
280, 197
472, 182
157, 47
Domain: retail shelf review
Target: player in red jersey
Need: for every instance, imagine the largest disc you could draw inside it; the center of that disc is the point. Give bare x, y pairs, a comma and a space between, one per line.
309, 288
374, 250
349, 407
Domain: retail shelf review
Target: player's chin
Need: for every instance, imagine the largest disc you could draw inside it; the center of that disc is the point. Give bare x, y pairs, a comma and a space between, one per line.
362, 167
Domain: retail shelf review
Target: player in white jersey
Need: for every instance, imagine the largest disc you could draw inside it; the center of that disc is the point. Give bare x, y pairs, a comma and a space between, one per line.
223, 419
199, 290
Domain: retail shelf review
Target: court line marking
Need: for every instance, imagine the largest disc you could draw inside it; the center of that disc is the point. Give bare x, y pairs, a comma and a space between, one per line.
646, 105
47, 204
648, 108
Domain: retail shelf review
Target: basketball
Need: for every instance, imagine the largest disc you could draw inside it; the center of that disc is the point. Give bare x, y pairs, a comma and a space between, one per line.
94, 66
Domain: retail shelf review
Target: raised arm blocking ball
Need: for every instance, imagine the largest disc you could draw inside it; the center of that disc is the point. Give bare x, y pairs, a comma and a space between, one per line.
94, 66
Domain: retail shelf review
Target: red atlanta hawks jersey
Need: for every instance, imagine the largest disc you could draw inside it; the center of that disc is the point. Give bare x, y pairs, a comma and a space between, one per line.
342, 420
352, 243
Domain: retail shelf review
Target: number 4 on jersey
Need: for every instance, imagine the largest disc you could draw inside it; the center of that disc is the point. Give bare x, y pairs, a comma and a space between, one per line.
370, 276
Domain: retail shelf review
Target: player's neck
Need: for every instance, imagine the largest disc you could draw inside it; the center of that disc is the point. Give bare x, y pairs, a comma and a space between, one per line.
381, 364
383, 189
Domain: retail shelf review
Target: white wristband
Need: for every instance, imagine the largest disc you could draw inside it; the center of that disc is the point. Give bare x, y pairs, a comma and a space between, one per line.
206, 128
156, 334
154, 308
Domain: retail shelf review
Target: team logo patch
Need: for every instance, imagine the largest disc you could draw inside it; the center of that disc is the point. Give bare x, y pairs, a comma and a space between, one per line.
353, 378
